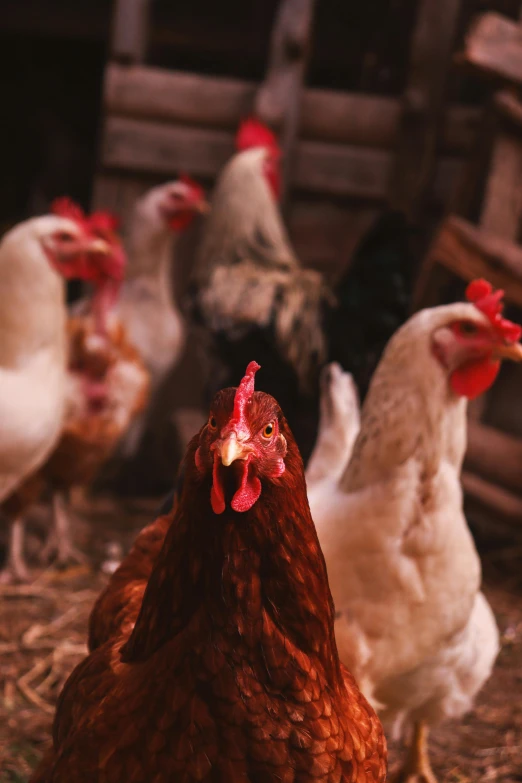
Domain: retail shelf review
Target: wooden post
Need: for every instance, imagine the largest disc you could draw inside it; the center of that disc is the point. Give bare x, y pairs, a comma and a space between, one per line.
423, 104
278, 102
130, 30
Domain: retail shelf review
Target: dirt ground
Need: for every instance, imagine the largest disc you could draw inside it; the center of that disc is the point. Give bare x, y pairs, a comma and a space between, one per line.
43, 631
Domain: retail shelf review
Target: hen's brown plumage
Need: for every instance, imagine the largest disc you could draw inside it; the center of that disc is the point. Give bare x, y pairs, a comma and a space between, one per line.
231, 671
118, 606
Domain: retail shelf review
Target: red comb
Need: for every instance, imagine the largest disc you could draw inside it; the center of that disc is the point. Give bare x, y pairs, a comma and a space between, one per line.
103, 222
489, 302
244, 394
67, 208
253, 133
192, 184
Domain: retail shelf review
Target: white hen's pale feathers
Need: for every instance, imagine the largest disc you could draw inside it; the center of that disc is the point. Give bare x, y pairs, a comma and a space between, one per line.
32, 350
411, 622
146, 303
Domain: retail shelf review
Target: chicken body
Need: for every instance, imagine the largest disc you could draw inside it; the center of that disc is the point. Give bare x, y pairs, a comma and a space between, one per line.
252, 296
411, 622
230, 672
146, 305
32, 351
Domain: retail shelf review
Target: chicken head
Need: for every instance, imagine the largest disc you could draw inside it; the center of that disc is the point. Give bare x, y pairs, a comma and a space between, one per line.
69, 246
241, 444
471, 348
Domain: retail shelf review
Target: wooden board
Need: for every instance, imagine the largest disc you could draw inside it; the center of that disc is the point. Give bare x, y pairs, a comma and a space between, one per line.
493, 45
471, 252
279, 98
496, 500
423, 105
334, 169
130, 30
502, 206
144, 92
494, 455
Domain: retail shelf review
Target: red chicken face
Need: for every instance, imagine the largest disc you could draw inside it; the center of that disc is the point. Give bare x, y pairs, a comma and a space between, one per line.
69, 249
471, 350
241, 445
181, 201
103, 258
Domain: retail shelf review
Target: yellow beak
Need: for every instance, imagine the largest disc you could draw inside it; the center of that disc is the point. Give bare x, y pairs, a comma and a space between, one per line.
203, 207
231, 449
99, 247
512, 352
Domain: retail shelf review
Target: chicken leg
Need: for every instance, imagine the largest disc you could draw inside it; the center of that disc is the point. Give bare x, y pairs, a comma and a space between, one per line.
15, 569
59, 542
417, 768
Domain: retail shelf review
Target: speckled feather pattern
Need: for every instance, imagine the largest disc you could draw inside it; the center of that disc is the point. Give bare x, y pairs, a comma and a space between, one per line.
231, 671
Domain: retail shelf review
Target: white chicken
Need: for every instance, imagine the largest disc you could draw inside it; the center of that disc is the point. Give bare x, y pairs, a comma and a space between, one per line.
339, 423
146, 303
411, 622
35, 256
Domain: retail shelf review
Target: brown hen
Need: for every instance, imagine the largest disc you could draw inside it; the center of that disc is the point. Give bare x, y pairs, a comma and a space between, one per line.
231, 671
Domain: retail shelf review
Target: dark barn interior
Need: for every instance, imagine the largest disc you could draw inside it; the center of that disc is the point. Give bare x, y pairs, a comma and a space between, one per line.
400, 123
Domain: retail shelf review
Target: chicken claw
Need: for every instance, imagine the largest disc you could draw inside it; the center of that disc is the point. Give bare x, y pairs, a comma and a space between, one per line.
15, 569
59, 546
417, 768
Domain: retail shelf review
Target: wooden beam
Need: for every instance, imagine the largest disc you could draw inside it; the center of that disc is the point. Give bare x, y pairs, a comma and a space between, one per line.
494, 499
423, 105
471, 252
509, 107
130, 30
144, 92
494, 455
278, 100
502, 205
493, 45
334, 169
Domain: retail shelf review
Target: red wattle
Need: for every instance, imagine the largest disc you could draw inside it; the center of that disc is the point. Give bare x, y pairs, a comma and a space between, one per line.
249, 490
474, 378
217, 496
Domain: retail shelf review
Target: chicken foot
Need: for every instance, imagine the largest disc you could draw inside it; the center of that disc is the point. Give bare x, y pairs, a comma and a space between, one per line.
15, 569
417, 768
59, 545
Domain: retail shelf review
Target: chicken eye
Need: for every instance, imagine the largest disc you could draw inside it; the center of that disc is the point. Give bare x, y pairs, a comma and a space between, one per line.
468, 328
212, 423
268, 430
63, 236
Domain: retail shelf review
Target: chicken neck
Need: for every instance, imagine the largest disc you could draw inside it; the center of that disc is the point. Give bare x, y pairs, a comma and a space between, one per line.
410, 411
150, 252
256, 578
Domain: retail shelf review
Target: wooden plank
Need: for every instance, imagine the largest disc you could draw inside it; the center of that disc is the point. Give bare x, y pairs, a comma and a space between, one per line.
278, 100
493, 498
470, 252
150, 93
494, 455
493, 45
139, 146
502, 205
509, 107
423, 105
130, 30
